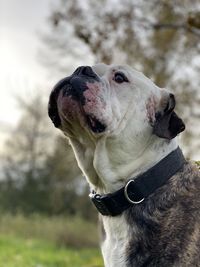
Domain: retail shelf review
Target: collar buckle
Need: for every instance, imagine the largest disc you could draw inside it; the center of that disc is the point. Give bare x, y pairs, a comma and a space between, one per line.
99, 203
126, 193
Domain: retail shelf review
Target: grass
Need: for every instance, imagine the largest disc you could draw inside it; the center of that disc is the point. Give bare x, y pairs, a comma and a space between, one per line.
63, 231
18, 252
39, 241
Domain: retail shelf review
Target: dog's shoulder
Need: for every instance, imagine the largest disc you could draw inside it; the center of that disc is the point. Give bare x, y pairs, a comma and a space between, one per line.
187, 181
167, 224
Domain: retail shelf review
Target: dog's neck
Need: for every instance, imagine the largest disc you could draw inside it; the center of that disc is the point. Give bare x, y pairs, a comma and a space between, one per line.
107, 170
115, 171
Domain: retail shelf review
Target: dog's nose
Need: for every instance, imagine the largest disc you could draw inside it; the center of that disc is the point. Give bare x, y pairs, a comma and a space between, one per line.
85, 71
77, 83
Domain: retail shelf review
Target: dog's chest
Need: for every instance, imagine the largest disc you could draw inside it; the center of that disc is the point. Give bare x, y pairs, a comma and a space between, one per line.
116, 241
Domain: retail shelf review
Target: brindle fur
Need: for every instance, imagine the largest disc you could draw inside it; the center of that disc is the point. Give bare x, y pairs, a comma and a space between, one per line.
166, 226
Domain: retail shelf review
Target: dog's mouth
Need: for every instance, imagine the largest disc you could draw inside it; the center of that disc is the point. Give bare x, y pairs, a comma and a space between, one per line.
94, 124
77, 112
80, 100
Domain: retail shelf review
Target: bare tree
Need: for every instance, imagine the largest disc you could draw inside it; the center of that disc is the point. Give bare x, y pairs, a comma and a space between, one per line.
28, 145
40, 173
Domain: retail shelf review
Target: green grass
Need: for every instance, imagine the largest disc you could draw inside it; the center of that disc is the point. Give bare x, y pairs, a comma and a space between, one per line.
19, 252
38, 241
62, 231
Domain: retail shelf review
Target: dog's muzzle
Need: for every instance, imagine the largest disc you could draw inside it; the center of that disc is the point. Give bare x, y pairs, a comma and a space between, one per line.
75, 103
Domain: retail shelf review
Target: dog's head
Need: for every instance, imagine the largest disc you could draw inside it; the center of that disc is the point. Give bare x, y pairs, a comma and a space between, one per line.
104, 100
116, 120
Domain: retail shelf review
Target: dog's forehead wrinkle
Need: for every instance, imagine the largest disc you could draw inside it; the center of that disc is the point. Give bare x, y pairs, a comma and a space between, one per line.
120, 68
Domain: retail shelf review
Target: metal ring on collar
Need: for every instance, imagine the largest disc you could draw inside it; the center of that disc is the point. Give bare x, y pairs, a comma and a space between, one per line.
127, 196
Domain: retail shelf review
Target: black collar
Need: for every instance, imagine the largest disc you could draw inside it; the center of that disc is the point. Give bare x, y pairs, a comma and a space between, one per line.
140, 187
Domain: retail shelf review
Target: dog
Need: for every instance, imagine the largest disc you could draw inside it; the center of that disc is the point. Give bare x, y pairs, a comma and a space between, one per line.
123, 130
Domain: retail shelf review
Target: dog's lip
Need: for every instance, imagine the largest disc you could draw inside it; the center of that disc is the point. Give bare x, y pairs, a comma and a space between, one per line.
94, 124
77, 113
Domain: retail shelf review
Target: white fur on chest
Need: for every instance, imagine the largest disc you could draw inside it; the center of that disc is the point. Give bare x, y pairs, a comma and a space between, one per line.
116, 241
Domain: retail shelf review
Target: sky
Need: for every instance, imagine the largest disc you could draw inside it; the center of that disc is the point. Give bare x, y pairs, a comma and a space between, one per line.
21, 21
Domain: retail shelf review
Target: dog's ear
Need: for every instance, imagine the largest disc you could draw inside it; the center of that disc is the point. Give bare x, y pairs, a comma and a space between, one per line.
167, 124
53, 109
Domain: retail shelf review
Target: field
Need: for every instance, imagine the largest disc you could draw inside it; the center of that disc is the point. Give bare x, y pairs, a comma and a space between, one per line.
16, 252
25, 242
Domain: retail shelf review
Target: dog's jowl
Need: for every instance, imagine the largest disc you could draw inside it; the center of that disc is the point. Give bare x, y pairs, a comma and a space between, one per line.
123, 130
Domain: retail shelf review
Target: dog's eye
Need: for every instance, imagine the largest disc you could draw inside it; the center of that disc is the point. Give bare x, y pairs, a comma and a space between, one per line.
120, 77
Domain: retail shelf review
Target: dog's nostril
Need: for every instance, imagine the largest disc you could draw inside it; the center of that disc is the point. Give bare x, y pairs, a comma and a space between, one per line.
85, 70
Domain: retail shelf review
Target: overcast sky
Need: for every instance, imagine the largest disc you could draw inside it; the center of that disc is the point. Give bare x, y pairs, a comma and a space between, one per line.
20, 22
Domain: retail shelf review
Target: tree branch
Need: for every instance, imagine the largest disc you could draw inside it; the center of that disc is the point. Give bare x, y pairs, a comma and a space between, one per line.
183, 26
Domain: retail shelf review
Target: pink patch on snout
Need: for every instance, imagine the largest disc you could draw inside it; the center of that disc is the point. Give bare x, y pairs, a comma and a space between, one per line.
94, 103
151, 108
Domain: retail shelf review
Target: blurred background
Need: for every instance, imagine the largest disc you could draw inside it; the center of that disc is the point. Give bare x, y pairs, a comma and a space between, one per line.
46, 218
